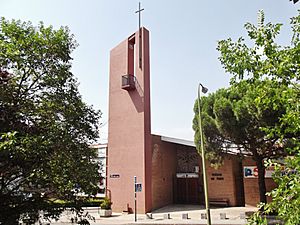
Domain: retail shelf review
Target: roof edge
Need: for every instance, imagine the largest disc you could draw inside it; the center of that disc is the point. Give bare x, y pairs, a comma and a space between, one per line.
178, 141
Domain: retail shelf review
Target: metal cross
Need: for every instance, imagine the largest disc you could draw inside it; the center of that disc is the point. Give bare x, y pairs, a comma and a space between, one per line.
139, 12
140, 36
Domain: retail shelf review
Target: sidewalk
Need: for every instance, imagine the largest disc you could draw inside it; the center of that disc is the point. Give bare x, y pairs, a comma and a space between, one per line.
231, 215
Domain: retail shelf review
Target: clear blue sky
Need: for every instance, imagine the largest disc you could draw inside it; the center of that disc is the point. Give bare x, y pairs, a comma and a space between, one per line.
183, 40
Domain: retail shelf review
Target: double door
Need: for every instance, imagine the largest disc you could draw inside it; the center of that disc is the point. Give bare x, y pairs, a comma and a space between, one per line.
189, 191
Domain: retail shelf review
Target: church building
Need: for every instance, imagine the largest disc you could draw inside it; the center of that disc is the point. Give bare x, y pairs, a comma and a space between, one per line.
157, 170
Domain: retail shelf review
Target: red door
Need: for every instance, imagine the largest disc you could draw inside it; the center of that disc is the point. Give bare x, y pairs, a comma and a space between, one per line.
189, 191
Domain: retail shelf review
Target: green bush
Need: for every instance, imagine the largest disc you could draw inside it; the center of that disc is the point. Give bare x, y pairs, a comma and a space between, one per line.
106, 203
91, 202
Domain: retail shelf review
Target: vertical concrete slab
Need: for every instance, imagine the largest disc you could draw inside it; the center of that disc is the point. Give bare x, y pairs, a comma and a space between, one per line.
129, 127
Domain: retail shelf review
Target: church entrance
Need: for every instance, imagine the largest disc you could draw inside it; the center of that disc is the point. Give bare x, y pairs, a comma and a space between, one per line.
188, 189
188, 185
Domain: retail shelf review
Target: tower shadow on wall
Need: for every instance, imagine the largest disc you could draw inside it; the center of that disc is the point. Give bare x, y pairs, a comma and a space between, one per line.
137, 97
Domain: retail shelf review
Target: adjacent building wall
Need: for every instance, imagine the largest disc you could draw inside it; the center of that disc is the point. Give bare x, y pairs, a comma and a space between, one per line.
251, 186
222, 182
101, 161
163, 172
168, 159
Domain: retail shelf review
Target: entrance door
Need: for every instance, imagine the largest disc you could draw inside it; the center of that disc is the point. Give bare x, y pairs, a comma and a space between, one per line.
189, 191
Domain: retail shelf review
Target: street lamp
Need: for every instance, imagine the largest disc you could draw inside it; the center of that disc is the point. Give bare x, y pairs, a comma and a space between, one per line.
204, 90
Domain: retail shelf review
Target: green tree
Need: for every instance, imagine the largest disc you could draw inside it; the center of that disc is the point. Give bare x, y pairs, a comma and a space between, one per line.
45, 126
286, 197
233, 119
265, 77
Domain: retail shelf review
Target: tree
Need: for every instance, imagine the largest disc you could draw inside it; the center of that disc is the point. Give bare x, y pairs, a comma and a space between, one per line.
233, 119
294, 1
286, 197
259, 99
45, 126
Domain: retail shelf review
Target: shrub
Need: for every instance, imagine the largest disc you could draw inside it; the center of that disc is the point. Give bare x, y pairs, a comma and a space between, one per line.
106, 203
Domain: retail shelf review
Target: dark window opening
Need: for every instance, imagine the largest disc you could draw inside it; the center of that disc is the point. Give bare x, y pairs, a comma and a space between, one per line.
128, 82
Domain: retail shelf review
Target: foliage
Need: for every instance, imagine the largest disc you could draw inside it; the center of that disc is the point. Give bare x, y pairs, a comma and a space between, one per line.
85, 202
257, 218
45, 126
106, 203
286, 197
233, 118
266, 60
253, 116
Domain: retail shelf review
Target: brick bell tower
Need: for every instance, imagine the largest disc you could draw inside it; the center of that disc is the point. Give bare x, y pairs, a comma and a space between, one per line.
129, 127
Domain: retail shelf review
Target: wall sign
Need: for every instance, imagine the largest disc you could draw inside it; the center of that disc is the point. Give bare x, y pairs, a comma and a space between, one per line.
114, 175
217, 176
252, 172
138, 187
187, 175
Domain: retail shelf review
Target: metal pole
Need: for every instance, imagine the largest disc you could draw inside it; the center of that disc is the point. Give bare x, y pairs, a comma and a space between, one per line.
135, 209
203, 156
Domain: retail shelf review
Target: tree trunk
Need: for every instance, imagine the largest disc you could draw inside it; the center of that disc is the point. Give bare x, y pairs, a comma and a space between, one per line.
261, 179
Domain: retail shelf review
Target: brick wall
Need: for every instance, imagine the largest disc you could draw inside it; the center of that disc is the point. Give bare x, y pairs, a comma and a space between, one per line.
251, 186
222, 182
163, 172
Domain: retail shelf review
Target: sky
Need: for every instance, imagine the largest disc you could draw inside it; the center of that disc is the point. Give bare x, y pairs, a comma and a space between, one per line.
183, 41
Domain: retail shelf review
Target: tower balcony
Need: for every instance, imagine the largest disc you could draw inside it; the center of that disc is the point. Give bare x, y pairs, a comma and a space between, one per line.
128, 82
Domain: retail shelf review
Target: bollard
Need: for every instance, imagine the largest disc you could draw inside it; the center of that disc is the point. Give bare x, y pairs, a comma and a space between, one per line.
167, 216
203, 216
149, 215
223, 216
185, 216
249, 213
242, 216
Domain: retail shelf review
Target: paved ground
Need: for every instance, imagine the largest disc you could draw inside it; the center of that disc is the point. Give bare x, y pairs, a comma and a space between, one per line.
233, 216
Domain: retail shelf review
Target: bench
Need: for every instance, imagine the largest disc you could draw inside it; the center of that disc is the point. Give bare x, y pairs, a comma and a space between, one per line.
219, 201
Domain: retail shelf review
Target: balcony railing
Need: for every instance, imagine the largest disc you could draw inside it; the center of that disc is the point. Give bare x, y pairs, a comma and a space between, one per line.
128, 82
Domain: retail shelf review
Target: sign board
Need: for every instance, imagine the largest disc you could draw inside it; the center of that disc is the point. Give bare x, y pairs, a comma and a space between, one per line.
114, 175
187, 175
138, 187
252, 172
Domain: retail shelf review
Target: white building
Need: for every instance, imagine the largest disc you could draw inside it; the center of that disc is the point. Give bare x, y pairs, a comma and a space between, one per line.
102, 162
